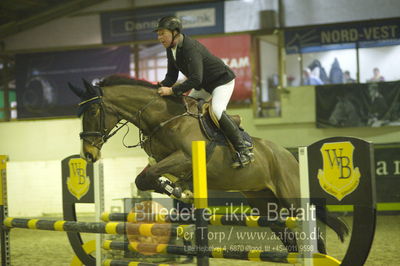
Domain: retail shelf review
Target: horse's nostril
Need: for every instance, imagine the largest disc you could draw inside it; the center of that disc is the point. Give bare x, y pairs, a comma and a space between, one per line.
89, 157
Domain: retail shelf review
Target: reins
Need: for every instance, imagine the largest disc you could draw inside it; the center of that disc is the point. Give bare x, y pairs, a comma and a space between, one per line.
143, 137
102, 133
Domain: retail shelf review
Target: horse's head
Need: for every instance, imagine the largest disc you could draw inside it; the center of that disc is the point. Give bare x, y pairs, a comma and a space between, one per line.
98, 120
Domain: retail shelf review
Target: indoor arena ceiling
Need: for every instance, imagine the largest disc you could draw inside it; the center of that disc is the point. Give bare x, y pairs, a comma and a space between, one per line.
20, 15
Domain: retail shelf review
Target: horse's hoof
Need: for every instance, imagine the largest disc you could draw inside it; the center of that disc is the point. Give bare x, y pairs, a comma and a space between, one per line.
177, 192
187, 197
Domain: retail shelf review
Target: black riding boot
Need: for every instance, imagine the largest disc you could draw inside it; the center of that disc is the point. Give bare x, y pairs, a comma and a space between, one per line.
232, 132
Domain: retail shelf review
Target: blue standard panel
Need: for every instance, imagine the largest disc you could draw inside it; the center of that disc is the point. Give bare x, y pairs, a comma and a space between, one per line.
138, 24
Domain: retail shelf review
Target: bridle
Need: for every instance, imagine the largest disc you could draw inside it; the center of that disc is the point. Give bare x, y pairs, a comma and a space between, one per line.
102, 131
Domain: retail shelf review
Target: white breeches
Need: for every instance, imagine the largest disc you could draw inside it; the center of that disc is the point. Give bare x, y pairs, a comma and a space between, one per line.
220, 97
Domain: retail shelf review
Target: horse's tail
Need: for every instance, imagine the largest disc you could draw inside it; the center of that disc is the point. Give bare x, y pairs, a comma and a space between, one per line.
333, 221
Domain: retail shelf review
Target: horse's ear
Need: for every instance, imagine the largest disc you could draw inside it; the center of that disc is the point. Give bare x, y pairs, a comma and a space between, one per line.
78, 91
89, 87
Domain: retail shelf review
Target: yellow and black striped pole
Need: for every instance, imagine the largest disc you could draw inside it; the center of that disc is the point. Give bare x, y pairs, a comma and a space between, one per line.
213, 219
114, 228
109, 262
200, 200
4, 233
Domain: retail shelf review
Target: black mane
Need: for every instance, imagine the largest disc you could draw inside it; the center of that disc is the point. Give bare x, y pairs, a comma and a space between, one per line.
118, 79
125, 80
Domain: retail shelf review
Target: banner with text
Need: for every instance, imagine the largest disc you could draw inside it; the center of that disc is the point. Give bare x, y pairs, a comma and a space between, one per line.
138, 24
366, 34
41, 78
387, 159
387, 167
235, 52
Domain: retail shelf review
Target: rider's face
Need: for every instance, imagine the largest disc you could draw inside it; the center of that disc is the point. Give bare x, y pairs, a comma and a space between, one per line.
164, 37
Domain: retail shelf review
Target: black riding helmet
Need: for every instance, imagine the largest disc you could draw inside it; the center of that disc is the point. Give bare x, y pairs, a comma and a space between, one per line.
170, 23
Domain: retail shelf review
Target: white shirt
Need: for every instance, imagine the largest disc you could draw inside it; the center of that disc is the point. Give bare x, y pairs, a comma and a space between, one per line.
174, 52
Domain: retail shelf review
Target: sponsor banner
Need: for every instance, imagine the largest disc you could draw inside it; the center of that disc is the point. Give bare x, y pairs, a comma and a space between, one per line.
42, 78
341, 171
358, 105
387, 165
138, 24
387, 171
367, 34
235, 52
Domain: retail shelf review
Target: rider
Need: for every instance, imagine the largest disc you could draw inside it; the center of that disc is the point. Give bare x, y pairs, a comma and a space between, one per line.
206, 74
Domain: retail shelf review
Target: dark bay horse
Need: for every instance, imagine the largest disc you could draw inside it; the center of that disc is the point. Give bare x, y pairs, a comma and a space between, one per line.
169, 131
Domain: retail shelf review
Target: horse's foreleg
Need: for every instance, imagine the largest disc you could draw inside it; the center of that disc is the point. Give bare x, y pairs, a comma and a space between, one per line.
177, 164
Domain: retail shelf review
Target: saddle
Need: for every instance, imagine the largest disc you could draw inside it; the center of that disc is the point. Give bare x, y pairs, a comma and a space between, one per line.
209, 123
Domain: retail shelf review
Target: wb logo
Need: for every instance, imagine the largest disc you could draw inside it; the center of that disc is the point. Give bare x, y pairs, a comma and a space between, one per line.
78, 182
338, 177
337, 159
79, 171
